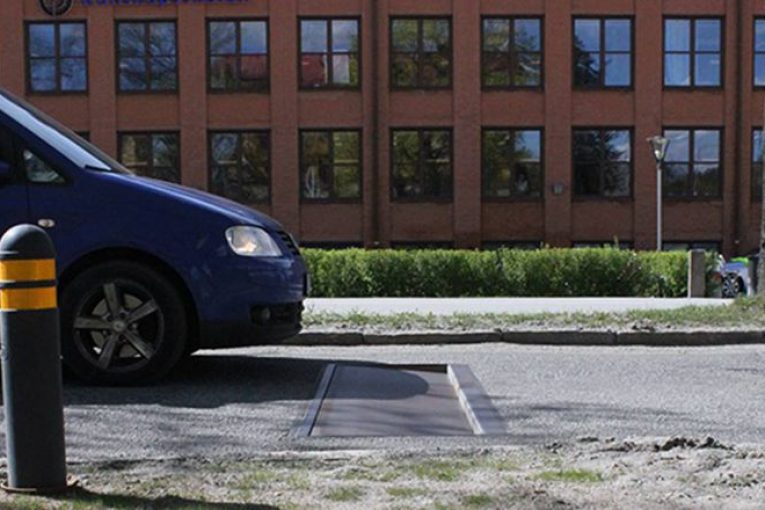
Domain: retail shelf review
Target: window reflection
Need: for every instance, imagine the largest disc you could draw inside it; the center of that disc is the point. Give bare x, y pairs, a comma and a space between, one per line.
329, 53
57, 57
602, 52
422, 53
512, 163
512, 52
154, 155
241, 166
238, 55
147, 56
693, 52
422, 165
692, 166
603, 163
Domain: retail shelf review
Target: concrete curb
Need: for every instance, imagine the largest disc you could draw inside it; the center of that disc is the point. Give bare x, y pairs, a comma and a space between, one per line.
573, 338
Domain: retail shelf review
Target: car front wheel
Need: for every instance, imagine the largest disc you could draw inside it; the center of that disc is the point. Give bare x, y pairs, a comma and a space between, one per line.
122, 323
732, 286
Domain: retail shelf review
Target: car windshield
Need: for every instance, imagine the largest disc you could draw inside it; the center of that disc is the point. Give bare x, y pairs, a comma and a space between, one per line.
59, 137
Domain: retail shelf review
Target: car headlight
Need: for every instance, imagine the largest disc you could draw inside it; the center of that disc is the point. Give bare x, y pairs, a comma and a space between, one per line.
252, 242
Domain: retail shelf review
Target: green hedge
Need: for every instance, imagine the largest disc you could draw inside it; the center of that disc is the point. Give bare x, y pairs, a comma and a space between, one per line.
456, 273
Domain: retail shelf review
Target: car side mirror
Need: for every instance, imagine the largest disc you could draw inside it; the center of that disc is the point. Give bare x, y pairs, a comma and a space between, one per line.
5, 172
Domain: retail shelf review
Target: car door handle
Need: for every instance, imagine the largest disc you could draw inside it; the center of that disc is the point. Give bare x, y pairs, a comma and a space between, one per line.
46, 223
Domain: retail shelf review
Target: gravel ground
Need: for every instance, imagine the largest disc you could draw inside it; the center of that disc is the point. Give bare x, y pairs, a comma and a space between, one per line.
675, 473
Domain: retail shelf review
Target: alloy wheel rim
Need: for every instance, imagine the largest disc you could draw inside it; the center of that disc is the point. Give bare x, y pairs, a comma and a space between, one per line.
119, 326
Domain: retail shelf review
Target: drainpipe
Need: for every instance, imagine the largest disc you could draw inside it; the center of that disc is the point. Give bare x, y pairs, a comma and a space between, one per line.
738, 214
375, 195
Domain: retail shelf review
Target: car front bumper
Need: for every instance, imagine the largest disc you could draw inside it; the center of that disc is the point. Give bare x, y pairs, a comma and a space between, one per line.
253, 302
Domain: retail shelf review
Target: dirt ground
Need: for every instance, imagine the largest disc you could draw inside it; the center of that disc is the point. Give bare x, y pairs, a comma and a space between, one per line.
675, 473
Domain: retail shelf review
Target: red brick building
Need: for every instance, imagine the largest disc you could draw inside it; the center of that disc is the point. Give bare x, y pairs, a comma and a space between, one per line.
462, 123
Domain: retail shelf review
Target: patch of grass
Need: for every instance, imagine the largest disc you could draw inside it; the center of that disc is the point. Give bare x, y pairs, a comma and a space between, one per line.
440, 471
571, 476
372, 474
255, 478
299, 481
405, 492
742, 313
504, 464
345, 494
81, 499
477, 500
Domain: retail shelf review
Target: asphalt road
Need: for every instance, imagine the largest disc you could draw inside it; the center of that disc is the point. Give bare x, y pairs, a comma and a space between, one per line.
449, 306
245, 402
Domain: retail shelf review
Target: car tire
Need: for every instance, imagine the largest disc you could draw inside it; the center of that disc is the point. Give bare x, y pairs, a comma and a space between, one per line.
122, 323
732, 286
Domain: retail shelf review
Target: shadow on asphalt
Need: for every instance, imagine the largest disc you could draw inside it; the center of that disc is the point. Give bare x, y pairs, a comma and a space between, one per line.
209, 381
83, 496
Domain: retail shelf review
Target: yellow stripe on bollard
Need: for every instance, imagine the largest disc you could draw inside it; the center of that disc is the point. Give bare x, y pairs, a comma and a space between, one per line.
28, 299
28, 270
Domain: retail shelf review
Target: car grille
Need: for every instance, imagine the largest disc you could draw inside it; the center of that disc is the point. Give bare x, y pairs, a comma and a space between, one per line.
290, 243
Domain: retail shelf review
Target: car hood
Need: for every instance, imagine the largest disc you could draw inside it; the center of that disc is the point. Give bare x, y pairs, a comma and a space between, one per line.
191, 197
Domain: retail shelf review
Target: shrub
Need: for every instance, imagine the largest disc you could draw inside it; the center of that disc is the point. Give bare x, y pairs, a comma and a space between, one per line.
461, 273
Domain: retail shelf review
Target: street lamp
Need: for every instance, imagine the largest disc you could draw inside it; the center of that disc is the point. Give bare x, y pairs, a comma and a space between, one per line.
659, 146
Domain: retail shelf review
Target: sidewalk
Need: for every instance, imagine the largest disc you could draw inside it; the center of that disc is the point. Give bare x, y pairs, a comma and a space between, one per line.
450, 306
539, 332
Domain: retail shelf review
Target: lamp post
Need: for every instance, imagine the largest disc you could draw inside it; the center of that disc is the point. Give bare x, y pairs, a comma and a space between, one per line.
659, 146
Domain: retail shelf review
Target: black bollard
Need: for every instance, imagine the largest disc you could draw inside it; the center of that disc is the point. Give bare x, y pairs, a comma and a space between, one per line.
31, 362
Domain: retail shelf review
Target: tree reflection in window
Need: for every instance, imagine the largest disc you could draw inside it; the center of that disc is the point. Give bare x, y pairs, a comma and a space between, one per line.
602, 52
57, 57
241, 166
147, 56
602, 163
330, 165
757, 141
692, 166
512, 52
421, 53
512, 163
154, 155
422, 164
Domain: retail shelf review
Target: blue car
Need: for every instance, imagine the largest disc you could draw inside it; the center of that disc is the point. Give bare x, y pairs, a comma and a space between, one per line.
735, 278
148, 271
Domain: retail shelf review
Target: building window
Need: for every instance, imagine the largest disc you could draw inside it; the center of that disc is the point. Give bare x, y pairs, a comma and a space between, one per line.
603, 163
330, 165
602, 52
422, 53
614, 244
238, 55
512, 163
708, 246
146, 53
421, 245
757, 142
759, 53
692, 166
693, 52
154, 155
241, 165
512, 52
511, 245
57, 57
329, 53
422, 164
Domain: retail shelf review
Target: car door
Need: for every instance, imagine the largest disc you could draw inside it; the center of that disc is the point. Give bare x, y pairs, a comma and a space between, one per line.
14, 202
55, 203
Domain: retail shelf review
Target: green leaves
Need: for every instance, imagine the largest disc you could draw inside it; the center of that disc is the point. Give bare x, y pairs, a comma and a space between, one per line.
462, 273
